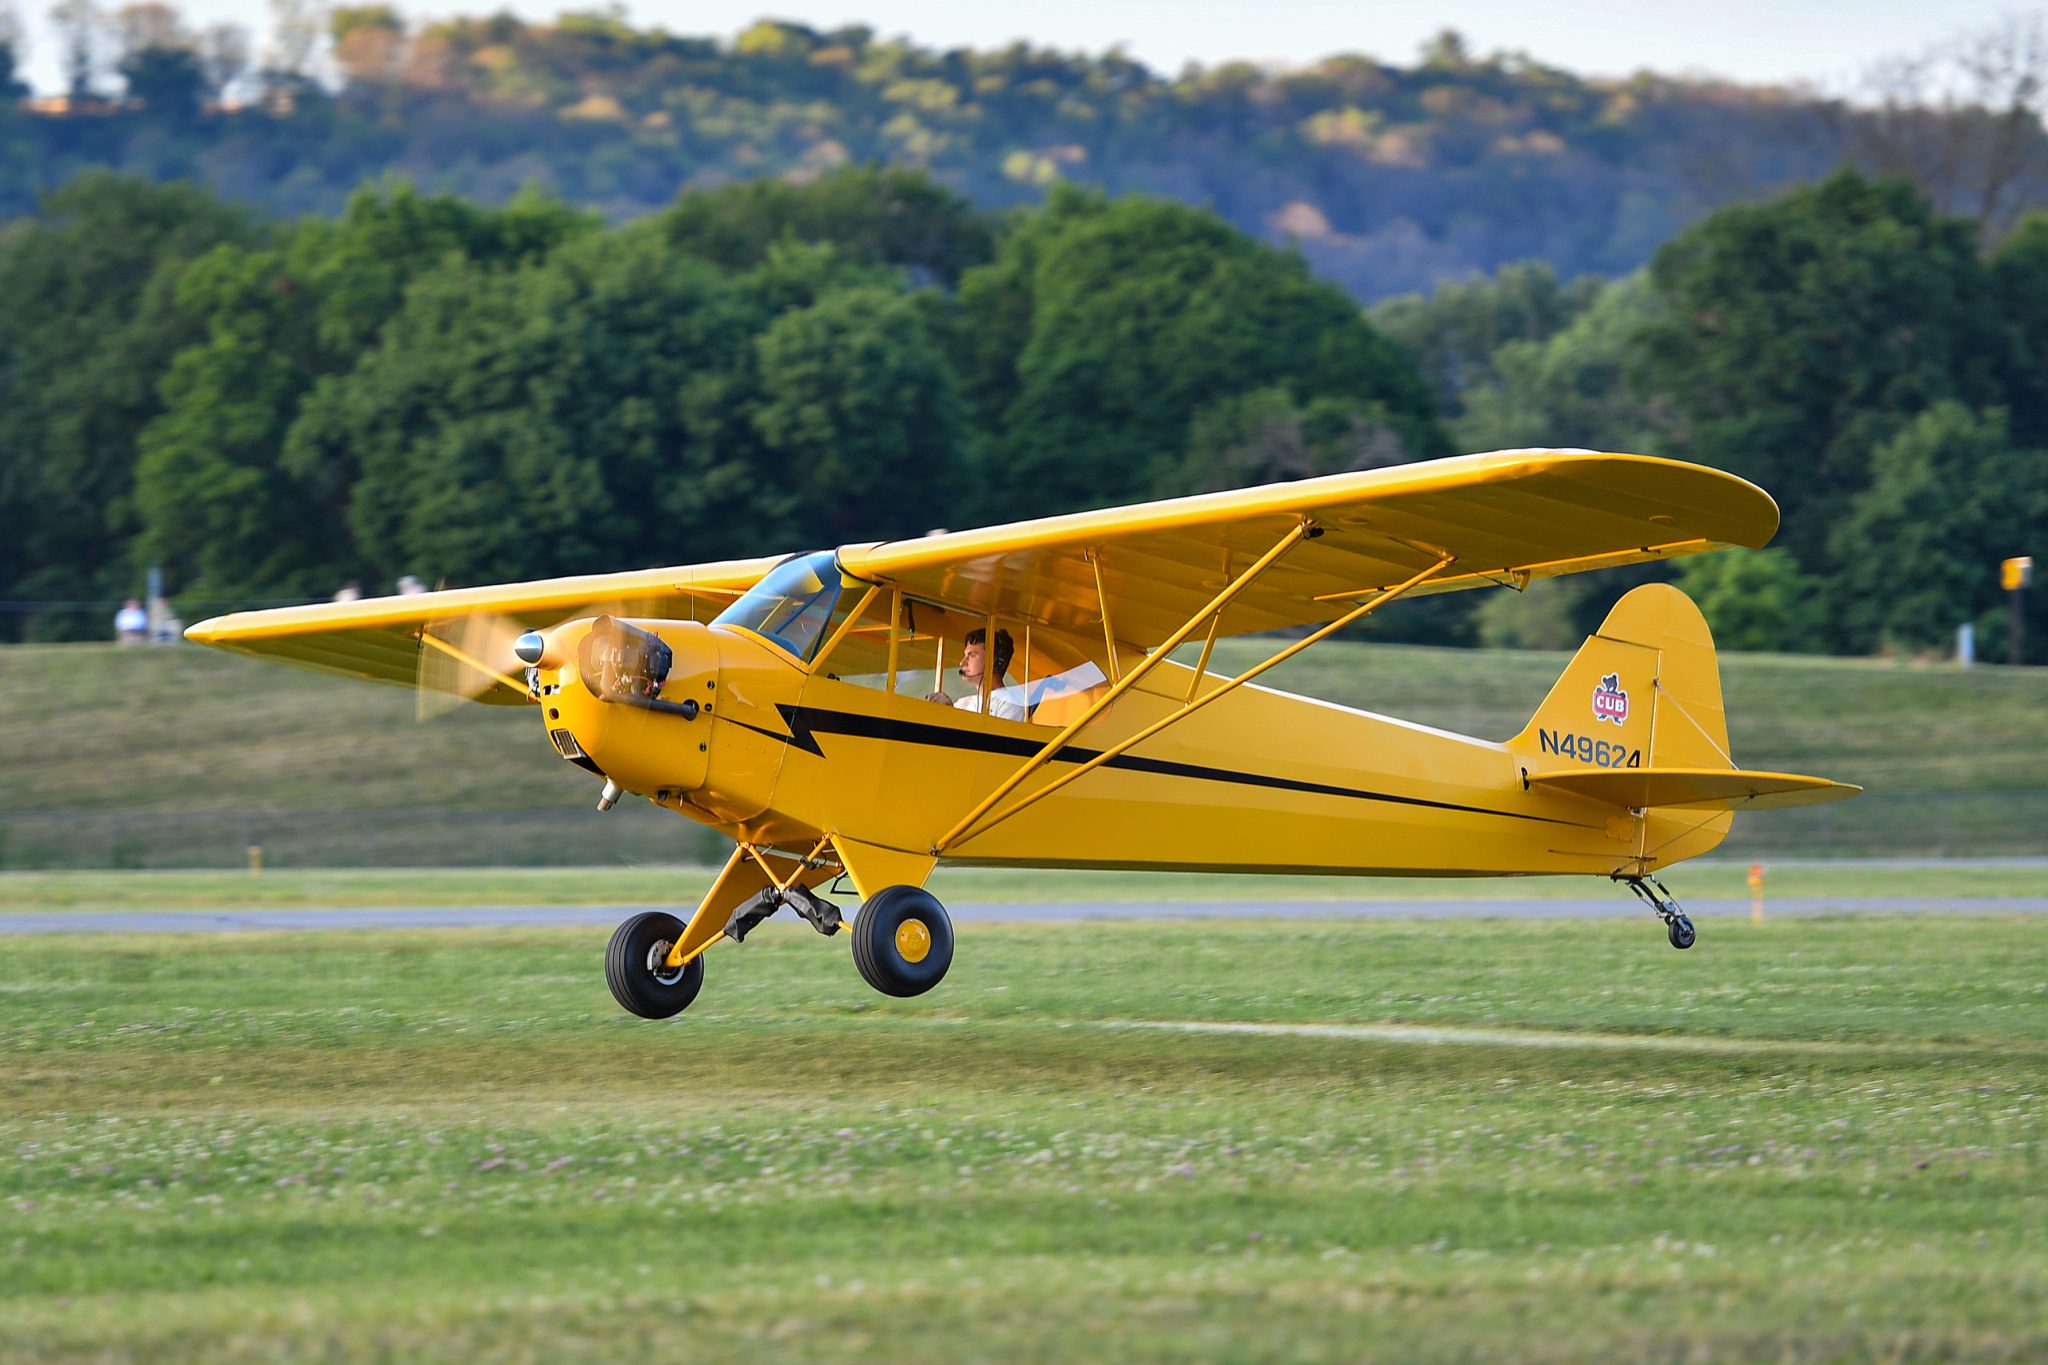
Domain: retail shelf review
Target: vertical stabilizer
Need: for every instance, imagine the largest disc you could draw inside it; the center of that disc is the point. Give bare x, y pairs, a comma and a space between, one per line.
1643, 691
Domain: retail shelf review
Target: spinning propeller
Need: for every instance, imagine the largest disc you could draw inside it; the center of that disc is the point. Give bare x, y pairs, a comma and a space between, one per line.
464, 657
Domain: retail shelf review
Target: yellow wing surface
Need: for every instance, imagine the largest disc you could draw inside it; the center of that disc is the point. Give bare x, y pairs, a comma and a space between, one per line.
379, 638
1732, 789
1504, 518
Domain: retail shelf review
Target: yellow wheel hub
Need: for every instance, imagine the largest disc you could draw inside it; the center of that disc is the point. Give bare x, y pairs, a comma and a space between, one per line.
913, 940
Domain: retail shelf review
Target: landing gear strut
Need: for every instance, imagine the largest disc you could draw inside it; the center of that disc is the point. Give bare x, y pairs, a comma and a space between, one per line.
1652, 893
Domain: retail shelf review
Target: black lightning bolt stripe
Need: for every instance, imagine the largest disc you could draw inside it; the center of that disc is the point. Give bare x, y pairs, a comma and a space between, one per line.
806, 723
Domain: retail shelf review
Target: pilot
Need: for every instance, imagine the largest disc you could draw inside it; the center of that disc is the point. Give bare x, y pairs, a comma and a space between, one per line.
973, 661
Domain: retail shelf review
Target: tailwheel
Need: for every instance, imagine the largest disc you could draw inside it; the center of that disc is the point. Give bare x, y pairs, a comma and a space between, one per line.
636, 967
1677, 927
903, 941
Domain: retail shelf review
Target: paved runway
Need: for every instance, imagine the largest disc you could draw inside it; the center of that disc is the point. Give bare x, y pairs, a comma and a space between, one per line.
1011, 912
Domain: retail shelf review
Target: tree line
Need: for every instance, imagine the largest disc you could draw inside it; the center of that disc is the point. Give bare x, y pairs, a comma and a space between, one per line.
1389, 177
269, 409
1847, 347
426, 386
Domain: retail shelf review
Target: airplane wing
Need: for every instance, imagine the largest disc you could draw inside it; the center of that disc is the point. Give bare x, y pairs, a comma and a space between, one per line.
1503, 519
379, 638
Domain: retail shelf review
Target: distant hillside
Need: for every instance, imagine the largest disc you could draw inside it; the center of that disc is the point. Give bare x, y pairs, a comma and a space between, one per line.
1390, 178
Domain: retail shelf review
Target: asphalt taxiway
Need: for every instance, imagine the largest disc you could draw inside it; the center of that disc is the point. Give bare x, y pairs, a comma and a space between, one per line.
995, 912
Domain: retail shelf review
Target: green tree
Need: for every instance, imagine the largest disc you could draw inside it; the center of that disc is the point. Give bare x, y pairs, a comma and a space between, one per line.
1264, 436
1756, 600
622, 403
1545, 615
1951, 495
1796, 336
12, 87
1573, 388
873, 214
859, 410
2020, 270
88, 325
170, 82
1134, 314
1455, 332
226, 498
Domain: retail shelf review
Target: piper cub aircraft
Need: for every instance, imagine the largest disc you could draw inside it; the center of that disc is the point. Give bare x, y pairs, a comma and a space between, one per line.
1010, 696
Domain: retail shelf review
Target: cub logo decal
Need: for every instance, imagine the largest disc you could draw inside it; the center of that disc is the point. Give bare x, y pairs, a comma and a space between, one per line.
1609, 701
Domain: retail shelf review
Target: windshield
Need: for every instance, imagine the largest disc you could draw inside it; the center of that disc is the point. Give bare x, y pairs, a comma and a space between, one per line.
792, 605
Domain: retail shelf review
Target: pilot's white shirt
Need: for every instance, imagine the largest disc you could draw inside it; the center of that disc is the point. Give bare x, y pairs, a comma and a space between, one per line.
1000, 706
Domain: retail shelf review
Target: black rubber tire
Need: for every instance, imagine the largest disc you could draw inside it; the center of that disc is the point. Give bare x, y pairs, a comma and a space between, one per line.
875, 951
638, 983
1680, 932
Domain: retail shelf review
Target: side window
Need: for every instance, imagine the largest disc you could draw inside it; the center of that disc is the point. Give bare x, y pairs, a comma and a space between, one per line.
1048, 678
1059, 699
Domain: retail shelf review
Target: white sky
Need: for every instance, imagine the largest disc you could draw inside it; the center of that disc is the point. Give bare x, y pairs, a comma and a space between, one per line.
1823, 42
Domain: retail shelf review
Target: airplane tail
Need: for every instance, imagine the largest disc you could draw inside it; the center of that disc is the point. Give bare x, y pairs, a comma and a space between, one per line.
1636, 721
1644, 691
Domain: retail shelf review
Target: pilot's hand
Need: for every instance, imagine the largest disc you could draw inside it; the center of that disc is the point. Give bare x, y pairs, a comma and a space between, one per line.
940, 697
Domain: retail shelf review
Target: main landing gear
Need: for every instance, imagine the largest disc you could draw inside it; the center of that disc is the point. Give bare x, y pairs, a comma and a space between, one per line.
1651, 892
902, 944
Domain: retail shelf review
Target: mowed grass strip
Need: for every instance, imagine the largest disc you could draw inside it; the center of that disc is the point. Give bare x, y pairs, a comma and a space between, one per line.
423, 1144
360, 888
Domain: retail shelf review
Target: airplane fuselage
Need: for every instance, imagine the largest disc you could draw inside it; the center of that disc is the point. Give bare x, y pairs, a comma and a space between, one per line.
1259, 781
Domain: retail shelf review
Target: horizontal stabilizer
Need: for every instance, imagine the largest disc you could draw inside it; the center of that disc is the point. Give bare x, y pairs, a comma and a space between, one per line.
1644, 788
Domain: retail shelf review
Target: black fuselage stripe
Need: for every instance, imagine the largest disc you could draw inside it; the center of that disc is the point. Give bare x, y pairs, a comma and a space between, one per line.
806, 722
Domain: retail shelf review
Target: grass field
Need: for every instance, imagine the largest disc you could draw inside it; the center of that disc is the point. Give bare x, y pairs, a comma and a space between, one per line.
349, 888
1558, 1141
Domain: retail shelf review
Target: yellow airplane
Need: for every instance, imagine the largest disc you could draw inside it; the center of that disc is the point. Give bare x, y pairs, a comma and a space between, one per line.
793, 703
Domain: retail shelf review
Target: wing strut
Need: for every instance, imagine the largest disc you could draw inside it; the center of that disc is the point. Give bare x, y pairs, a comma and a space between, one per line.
968, 827
1124, 684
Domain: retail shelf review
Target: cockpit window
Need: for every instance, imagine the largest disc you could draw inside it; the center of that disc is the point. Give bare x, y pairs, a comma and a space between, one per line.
1054, 700
792, 605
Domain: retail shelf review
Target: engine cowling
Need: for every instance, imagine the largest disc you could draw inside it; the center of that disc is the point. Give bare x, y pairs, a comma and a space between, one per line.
628, 699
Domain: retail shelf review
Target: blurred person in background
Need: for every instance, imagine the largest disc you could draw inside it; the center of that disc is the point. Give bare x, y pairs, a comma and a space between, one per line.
131, 623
